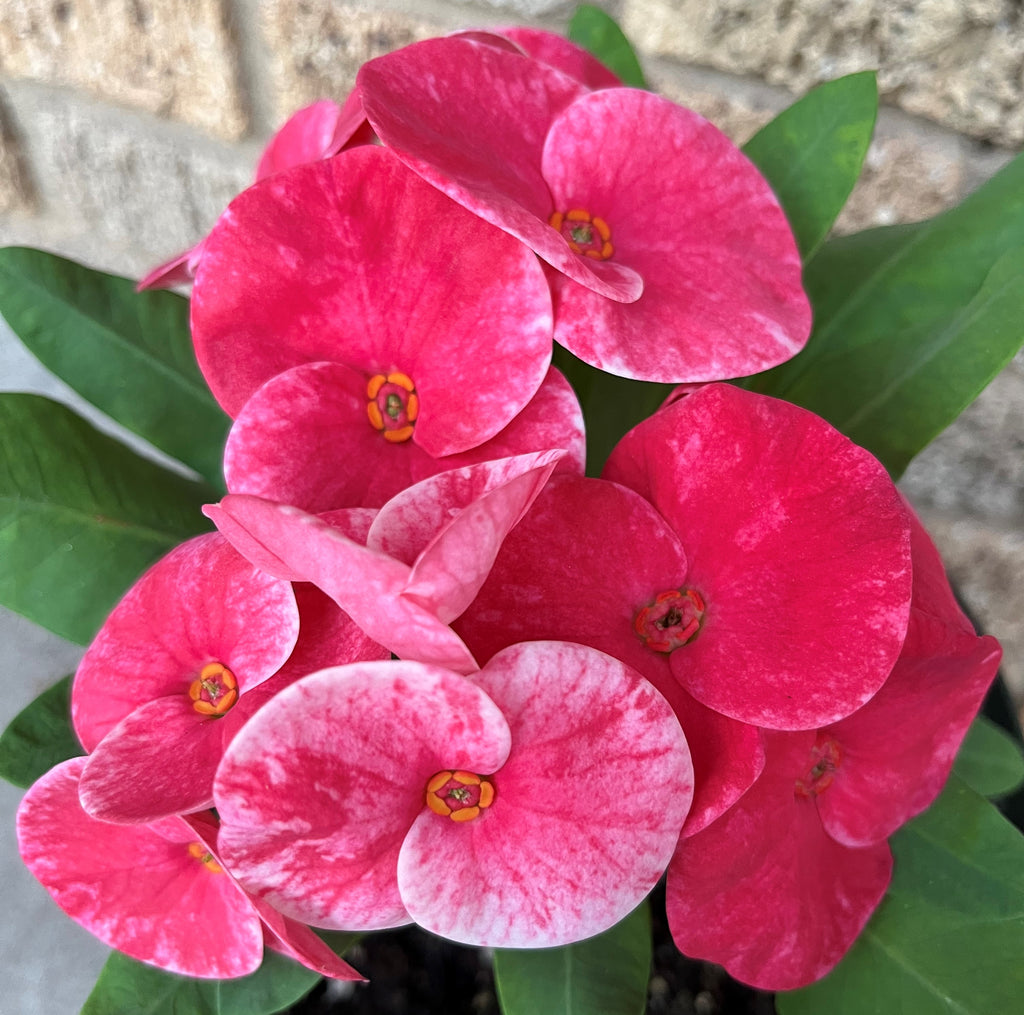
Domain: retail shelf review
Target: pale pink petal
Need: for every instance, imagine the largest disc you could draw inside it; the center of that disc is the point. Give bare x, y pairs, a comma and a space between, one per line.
722, 295
300, 943
898, 749
304, 439
201, 603
764, 891
587, 810
477, 133
158, 761
320, 787
367, 585
798, 543
137, 888
179, 270
450, 527
467, 315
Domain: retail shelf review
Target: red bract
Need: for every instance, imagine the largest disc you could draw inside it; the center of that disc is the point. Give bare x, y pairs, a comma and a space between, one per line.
797, 550
447, 320
779, 887
313, 133
155, 892
525, 808
304, 439
425, 556
191, 651
676, 261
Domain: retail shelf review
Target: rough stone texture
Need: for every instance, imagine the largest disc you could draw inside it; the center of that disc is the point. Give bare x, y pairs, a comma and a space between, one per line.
15, 187
171, 57
316, 46
958, 62
119, 190
985, 563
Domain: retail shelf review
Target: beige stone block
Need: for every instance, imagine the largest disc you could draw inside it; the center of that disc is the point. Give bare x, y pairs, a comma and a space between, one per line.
170, 57
15, 188
317, 46
957, 62
119, 189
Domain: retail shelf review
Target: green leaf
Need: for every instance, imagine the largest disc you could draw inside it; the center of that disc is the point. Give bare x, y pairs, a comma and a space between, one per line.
611, 405
127, 987
39, 737
597, 32
812, 153
604, 975
948, 937
912, 321
990, 760
128, 353
81, 516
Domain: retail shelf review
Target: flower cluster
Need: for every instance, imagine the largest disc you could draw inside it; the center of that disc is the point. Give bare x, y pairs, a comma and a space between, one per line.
428, 672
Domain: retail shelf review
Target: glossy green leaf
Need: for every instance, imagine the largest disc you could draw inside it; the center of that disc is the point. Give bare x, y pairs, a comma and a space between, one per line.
990, 760
912, 321
812, 153
128, 353
597, 32
949, 936
81, 516
39, 737
127, 987
604, 975
611, 405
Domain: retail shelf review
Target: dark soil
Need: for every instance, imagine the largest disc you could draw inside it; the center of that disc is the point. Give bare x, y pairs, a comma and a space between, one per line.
411, 972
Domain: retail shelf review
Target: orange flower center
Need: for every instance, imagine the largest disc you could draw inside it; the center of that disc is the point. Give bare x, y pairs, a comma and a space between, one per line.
199, 852
393, 405
826, 757
586, 234
459, 795
672, 620
214, 691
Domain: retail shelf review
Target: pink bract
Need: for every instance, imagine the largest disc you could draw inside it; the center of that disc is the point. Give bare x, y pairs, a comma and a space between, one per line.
684, 267
798, 544
577, 568
145, 889
427, 552
303, 439
345, 838
419, 287
314, 132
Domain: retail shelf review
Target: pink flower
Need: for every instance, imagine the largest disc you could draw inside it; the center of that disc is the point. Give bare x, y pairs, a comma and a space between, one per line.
313, 133
182, 661
304, 439
674, 260
524, 808
356, 261
420, 563
778, 888
156, 892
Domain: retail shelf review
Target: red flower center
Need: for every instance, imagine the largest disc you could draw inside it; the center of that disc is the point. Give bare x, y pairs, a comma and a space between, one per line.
586, 234
214, 691
671, 620
393, 405
826, 758
459, 795
199, 852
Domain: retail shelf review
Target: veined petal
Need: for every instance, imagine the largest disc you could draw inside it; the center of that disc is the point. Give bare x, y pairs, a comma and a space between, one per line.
310, 134
137, 888
586, 813
320, 787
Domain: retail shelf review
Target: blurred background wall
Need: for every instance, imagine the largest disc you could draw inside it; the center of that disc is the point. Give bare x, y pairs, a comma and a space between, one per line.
126, 126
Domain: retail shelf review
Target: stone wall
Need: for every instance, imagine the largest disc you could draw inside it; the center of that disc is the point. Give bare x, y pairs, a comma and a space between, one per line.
127, 125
